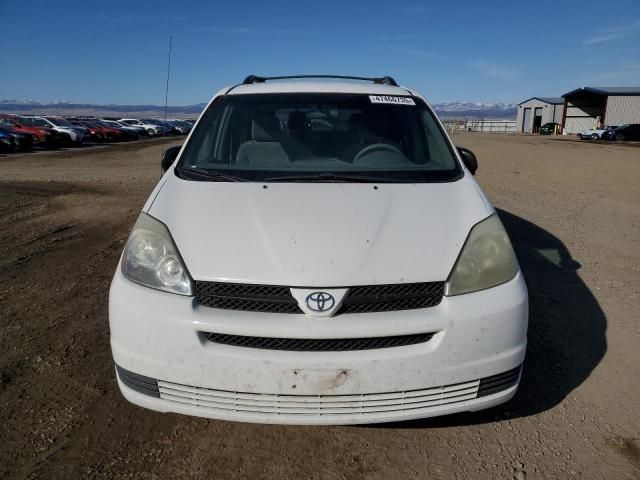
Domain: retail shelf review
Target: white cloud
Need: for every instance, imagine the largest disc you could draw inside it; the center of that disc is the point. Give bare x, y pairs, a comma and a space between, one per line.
493, 70
613, 33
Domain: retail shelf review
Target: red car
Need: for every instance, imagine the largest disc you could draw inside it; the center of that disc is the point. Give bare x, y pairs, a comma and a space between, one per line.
99, 132
42, 136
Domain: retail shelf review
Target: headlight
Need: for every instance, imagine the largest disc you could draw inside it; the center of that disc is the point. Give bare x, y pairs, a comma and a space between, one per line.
486, 259
151, 258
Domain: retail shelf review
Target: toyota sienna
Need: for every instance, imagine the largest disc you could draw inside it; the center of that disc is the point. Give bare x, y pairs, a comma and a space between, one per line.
318, 252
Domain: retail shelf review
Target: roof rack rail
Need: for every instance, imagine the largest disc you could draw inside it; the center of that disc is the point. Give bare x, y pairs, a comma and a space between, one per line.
380, 80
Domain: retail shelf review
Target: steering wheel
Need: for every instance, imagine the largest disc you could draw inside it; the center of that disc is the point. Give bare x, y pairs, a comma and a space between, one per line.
377, 147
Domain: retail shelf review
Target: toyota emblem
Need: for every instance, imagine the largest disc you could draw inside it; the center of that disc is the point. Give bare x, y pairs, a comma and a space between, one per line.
320, 301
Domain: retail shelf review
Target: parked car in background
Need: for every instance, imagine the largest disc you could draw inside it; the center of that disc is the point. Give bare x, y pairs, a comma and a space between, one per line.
7, 141
549, 128
630, 131
43, 136
182, 127
112, 134
138, 131
595, 133
166, 128
118, 133
76, 134
151, 128
94, 133
23, 141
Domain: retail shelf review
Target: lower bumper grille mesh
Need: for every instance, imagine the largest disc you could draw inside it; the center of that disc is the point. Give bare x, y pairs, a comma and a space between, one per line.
139, 383
318, 345
497, 383
210, 401
314, 405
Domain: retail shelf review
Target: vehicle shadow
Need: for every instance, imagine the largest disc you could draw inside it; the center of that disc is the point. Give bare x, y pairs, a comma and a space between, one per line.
566, 337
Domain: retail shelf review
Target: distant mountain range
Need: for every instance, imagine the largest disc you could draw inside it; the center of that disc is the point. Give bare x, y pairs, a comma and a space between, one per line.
449, 110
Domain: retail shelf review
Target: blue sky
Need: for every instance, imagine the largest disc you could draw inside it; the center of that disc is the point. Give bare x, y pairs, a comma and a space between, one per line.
116, 51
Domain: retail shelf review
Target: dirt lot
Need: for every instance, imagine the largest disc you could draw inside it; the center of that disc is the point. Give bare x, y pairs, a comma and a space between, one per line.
572, 210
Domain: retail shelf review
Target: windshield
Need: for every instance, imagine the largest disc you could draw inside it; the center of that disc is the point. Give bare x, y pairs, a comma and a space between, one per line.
6, 122
271, 137
60, 122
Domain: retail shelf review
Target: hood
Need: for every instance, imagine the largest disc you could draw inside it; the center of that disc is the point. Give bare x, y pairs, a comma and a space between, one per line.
319, 234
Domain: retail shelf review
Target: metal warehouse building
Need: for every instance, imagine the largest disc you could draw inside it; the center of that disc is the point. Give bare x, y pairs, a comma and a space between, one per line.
590, 107
537, 111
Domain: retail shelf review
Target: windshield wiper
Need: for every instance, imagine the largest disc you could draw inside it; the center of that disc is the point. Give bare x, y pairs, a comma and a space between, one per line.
331, 177
208, 174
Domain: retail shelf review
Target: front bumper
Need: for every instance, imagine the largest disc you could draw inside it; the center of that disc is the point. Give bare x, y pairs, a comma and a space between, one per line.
479, 339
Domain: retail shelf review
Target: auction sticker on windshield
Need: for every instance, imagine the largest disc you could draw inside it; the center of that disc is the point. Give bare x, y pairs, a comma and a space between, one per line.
394, 100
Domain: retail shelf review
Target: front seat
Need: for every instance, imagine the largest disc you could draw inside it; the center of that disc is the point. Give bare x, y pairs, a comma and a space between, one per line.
264, 149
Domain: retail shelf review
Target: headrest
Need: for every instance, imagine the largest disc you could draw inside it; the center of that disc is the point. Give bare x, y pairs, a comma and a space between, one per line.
297, 121
265, 128
356, 121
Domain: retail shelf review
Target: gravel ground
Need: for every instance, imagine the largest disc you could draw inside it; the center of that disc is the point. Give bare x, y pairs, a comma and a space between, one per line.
572, 210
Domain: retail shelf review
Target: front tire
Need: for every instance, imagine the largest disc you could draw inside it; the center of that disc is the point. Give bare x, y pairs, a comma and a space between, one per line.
594, 136
619, 137
151, 132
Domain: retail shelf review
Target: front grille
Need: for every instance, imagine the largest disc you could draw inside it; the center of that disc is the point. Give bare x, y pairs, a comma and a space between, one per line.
387, 298
247, 297
318, 345
278, 299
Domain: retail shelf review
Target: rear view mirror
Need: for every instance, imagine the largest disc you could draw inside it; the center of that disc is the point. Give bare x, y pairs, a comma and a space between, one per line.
169, 156
469, 159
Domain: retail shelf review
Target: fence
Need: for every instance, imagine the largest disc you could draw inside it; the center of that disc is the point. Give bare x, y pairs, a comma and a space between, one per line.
490, 126
453, 127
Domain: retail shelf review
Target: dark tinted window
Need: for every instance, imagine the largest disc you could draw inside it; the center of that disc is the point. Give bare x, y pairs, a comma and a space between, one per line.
264, 136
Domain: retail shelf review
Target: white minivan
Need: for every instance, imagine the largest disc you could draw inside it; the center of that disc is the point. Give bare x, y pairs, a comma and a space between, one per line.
318, 252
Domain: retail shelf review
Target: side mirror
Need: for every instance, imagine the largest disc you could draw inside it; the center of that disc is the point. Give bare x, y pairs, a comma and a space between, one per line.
169, 156
469, 159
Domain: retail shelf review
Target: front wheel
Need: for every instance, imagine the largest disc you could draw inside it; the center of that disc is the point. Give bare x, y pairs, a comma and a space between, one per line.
151, 132
594, 136
619, 137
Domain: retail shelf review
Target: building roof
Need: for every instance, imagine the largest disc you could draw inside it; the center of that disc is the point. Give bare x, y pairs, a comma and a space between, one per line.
550, 100
609, 91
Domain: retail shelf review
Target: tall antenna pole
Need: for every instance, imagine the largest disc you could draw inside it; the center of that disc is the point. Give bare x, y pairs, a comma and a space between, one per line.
166, 93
